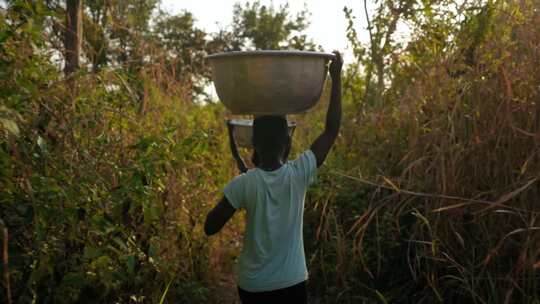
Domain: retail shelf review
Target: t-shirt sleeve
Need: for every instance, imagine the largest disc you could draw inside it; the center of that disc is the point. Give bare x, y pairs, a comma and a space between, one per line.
306, 167
235, 191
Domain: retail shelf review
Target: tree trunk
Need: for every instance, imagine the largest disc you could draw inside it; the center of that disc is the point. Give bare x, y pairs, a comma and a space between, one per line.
73, 35
380, 79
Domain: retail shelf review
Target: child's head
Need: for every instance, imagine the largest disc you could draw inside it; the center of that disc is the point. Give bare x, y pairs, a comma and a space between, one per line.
271, 137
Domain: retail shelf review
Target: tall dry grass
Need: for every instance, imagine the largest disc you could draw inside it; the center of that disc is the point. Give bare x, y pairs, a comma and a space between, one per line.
433, 197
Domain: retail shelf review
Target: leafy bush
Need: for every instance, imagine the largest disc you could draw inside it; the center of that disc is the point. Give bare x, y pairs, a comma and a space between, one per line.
429, 195
103, 201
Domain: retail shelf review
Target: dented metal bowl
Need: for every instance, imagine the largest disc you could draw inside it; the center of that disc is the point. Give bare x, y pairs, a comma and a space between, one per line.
269, 82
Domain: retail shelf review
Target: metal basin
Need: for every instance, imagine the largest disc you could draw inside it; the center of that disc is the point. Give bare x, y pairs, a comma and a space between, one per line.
243, 131
269, 82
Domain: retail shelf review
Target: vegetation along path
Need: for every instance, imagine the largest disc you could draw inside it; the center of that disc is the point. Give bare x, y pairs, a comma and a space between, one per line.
112, 153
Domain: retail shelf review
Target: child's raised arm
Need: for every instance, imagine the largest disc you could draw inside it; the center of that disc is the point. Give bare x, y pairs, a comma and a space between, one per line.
321, 146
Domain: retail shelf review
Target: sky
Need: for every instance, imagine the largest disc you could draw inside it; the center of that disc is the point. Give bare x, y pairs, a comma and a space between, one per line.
328, 24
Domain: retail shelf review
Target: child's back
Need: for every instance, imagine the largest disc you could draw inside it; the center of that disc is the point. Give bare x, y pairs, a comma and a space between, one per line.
273, 253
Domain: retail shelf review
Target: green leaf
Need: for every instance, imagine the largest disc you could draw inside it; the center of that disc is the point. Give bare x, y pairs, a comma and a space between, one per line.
10, 126
381, 297
92, 253
42, 144
152, 251
118, 241
162, 300
130, 261
74, 279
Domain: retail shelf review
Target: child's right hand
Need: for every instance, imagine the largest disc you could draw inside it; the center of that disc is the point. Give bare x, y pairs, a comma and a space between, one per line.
336, 64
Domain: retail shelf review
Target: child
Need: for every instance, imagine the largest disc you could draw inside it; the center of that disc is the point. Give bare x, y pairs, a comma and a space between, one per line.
272, 265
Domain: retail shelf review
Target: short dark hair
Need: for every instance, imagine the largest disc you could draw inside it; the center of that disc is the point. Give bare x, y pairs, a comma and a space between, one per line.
270, 133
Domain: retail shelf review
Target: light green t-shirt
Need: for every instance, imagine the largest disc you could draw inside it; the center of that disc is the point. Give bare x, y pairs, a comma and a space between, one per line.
272, 256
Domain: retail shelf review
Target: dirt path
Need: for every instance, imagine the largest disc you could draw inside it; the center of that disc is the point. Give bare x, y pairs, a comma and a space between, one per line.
225, 291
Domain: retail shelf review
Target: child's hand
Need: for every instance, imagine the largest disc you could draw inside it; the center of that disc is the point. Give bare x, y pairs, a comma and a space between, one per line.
335, 65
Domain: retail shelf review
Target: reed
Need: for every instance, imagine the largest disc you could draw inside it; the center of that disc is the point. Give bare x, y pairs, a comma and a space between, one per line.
434, 195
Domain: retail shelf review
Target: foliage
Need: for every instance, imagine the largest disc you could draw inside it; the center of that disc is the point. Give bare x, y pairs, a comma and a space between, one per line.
429, 195
185, 46
102, 200
268, 28
434, 195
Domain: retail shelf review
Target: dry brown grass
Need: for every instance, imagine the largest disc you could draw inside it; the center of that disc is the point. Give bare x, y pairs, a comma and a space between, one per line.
446, 175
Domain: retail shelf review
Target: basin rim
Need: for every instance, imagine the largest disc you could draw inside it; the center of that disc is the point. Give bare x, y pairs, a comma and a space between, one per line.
273, 53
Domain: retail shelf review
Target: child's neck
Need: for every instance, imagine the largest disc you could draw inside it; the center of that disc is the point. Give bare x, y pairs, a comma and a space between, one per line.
270, 164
